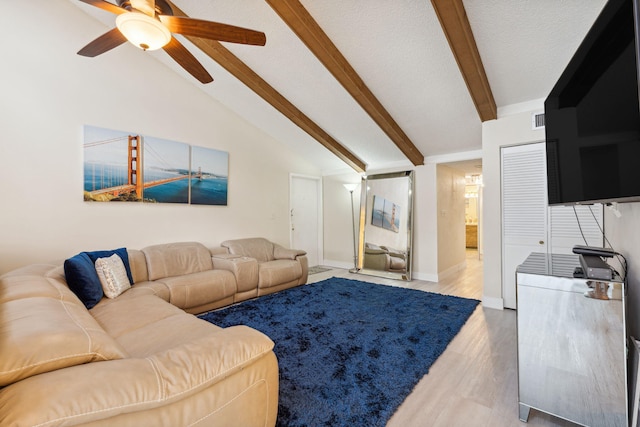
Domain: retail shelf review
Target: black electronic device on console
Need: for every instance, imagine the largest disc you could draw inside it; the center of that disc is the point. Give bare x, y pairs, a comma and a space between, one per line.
593, 267
594, 251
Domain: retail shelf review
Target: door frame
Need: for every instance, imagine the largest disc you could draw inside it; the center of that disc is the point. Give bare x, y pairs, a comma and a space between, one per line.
318, 179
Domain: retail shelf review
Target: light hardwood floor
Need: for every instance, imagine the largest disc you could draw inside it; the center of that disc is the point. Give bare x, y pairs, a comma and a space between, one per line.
474, 382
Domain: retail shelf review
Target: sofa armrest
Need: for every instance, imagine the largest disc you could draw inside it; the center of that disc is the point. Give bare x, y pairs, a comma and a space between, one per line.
244, 269
218, 250
200, 363
283, 253
100, 390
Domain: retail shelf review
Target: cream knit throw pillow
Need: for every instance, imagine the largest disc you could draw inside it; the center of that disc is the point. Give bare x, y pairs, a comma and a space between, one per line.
113, 275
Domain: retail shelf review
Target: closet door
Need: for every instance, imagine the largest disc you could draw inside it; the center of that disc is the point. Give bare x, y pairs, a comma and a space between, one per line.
529, 224
524, 210
568, 225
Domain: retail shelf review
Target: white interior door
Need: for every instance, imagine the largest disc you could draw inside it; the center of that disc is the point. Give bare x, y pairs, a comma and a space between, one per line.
305, 208
524, 211
569, 223
529, 224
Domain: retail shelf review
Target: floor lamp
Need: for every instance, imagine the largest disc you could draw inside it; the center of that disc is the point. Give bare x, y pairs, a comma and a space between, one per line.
350, 188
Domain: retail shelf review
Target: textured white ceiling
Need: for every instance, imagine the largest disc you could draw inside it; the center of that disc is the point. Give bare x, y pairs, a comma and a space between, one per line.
399, 50
525, 45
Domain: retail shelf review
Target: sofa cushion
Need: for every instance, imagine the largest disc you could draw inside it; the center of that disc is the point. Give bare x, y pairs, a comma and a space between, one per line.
176, 259
121, 252
145, 325
42, 334
197, 289
277, 272
124, 315
14, 286
257, 247
82, 278
113, 276
30, 270
158, 289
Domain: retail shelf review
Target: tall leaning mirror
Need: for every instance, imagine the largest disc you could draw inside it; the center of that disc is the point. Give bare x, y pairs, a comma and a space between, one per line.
386, 218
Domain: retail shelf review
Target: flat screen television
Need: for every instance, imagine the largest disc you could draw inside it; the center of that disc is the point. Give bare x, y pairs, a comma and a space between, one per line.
592, 115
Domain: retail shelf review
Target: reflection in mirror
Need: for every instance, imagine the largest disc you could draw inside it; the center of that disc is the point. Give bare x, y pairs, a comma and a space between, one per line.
386, 216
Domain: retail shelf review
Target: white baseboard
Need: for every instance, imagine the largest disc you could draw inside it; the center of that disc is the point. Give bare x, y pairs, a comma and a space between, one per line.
337, 264
493, 302
424, 276
414, 275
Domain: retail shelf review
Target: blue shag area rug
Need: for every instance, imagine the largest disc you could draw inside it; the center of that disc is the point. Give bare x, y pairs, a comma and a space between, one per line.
349, 352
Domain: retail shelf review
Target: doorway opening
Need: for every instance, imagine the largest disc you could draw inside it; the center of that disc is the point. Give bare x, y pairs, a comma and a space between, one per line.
472, 213
472, 199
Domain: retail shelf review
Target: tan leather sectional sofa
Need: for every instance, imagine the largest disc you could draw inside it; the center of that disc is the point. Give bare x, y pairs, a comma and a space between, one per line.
141, 359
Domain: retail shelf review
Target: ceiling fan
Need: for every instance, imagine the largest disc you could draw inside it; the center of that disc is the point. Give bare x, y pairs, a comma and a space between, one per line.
149, 24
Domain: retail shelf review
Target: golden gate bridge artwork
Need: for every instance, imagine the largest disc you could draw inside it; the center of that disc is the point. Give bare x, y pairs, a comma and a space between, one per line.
115, 169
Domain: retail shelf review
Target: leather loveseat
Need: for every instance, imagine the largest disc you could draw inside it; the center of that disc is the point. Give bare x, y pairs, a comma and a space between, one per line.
137, 359
278, 268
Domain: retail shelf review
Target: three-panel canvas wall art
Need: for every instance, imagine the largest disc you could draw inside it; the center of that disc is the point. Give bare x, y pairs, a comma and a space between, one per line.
129, 167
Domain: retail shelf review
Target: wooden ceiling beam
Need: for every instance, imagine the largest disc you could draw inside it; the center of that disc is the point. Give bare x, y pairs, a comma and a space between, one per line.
216, 51
457, 29
307, 29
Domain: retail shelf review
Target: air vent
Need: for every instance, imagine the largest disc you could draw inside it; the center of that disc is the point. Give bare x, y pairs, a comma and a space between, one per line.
537, 120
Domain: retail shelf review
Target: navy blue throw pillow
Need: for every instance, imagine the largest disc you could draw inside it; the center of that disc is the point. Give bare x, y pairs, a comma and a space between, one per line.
82, 278
121, 252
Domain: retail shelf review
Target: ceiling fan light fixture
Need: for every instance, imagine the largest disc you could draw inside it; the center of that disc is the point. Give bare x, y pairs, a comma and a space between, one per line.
143, 31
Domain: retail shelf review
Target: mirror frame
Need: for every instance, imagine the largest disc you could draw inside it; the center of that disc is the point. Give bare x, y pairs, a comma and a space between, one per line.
365, 217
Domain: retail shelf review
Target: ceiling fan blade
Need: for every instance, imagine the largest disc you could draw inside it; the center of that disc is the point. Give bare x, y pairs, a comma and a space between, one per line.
182, 56
105, 5
212, 30
105, 42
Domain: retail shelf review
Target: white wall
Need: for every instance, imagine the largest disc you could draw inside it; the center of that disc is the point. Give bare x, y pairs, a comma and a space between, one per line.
512, 127
48, 93
425, 223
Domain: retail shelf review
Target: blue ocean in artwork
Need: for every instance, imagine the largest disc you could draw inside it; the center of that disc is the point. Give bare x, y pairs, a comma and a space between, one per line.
209, 190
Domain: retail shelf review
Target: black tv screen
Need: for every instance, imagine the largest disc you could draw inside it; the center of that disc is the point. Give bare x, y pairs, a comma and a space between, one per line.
592, 116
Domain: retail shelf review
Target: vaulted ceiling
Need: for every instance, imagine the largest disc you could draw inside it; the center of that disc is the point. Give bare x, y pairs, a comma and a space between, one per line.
372, 84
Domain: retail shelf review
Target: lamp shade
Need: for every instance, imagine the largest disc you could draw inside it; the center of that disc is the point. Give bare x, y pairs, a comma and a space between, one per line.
350, 187
143, 31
